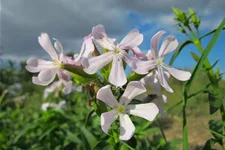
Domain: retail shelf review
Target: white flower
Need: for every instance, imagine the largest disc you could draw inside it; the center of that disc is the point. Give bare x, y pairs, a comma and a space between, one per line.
156, 60
47, 105
153, 93
121, 109
86, 52
116, 54
47, 69
64, 80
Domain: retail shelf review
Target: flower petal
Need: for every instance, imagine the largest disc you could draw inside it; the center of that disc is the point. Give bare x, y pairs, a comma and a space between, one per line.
137, 52
37, 65
86, 50
97, 30
147, 111
46, 44
131, 40
107, 119
133, 89
98, 62
117, 74
168, 45
178, 74
36, 81
127, 128
155, 42
100, 36
48, 75
140, 67
67, 87
157, 102
55, 85
105, 94
149, 55
162, 79
64, 74
151, 83
58, 46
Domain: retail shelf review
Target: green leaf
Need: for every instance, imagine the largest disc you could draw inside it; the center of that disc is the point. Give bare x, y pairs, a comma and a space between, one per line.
192, 14
216, 126
88, 117
195, 56
78, 70
72, 137
215, 101
134, 77
91, 139
126, 146
24, 131
47, 132
212, 131
179, 49
3, 95
80, 80
209, 33
108, 147
209, 144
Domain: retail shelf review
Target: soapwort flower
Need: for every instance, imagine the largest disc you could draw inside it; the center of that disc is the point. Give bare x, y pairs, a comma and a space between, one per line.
86, 51
47, 69
64, 82
122, 108
157, 60
116, 54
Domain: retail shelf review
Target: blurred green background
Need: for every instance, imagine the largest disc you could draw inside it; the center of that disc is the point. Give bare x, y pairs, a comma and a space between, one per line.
24, 125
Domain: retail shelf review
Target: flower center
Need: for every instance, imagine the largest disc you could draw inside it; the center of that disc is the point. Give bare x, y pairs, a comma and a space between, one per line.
120, 109
159, 61
57, 63
116, 51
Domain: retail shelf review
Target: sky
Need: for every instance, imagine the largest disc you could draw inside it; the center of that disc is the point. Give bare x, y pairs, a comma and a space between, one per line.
22, 21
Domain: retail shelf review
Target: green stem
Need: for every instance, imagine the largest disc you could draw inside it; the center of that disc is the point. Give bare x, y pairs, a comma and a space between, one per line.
185, 132
162, 132
222, 111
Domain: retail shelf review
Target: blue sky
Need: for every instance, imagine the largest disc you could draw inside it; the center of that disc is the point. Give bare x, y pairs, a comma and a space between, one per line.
69, 21
184, 60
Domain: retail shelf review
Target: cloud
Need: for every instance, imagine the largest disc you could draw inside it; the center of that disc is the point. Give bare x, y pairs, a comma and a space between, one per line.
22, 21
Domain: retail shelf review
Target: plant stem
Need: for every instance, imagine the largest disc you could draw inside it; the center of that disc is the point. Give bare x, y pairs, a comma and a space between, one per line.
222, 111
161, 129
215, 83
185, 132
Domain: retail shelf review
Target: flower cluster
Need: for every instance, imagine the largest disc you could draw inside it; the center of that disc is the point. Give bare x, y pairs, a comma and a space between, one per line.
109, 66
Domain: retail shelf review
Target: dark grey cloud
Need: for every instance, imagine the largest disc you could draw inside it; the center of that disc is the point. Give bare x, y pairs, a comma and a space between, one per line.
22, 21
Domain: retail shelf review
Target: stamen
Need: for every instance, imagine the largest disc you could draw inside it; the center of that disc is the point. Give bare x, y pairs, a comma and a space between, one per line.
57, 63
159, 61
120, 109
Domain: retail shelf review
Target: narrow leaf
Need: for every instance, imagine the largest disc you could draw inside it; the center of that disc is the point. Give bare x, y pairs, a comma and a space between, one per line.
209, 144
205, 53
91, 139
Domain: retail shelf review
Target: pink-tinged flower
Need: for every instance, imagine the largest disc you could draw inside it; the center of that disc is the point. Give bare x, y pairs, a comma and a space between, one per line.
60, 105
47, 69
64, 81
116, 54
151, 82
122, 108
153, 93
157, 60
86, 52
